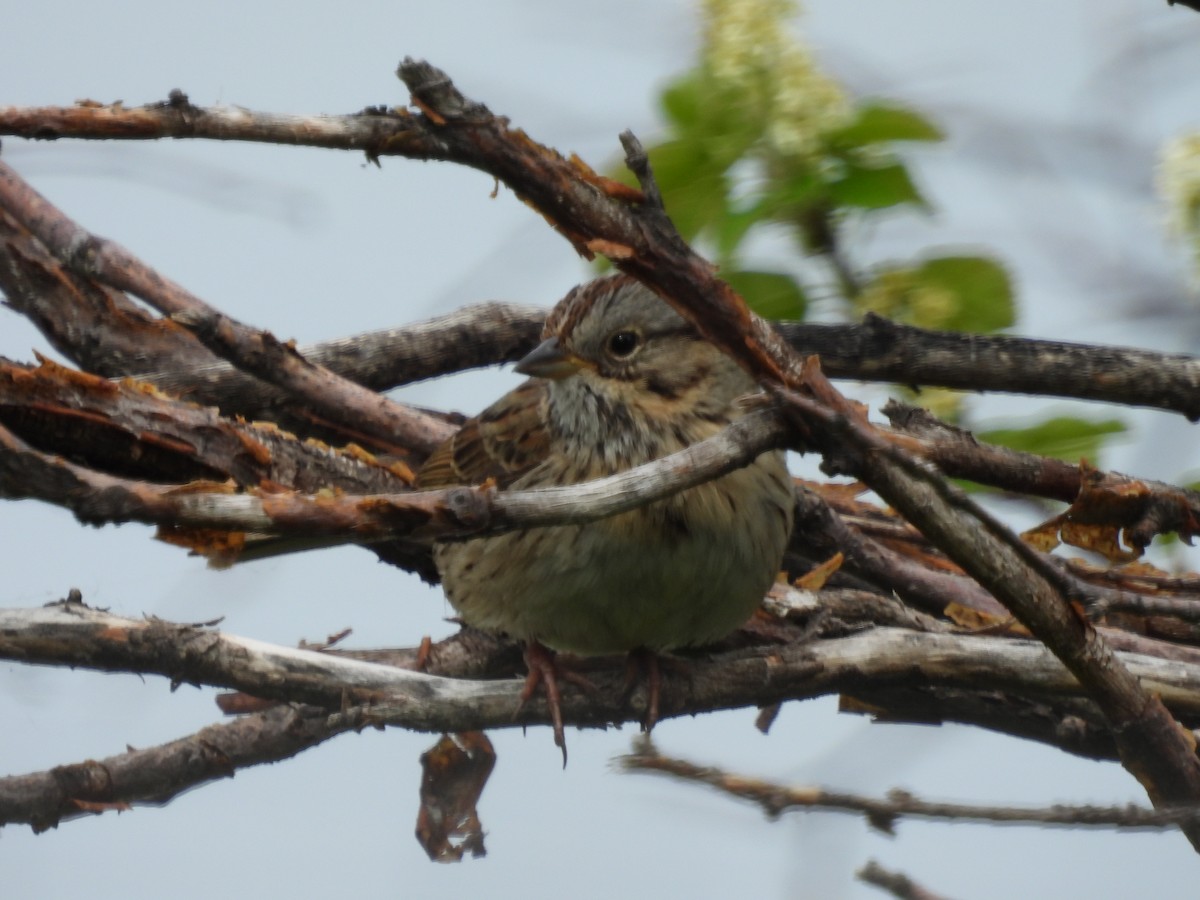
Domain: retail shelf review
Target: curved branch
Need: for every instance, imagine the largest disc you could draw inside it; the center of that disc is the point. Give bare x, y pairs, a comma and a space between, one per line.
459, 512
257, 352
876, 349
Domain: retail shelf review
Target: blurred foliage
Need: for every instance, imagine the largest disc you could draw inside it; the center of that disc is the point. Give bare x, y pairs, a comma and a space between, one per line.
1065, 437
760, 142
1178, 182
951, 293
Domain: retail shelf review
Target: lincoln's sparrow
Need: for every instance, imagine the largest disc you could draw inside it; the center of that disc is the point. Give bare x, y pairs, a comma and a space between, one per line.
619, 379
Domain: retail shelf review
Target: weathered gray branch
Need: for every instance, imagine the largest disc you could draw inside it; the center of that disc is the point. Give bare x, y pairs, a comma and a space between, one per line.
76, 635
375, 693
424, 515
481, 335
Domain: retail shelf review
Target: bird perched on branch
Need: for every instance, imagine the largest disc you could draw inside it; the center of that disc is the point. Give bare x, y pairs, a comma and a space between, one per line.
619, 379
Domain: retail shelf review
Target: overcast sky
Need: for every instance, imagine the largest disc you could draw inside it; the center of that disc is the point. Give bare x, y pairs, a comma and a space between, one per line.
1055, 112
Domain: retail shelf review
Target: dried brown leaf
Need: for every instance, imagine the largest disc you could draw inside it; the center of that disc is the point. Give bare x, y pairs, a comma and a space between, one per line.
455, 771
815, 579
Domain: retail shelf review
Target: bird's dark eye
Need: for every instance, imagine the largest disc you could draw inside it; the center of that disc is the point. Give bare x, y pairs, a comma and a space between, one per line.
623, 343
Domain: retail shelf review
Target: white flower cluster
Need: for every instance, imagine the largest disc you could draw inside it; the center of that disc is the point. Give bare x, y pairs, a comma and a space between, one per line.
1179, 186
748, 49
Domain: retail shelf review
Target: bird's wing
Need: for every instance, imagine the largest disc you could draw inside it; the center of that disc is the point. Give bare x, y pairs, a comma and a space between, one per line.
503, 442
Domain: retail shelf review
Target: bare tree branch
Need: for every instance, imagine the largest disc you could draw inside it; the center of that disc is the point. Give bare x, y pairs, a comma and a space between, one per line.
881, 350
97, 327
1140, 508
257, 352
467, 338
159, 774
1152, 744
882, 659
875, 350
76, 635
896, 884
776, 799
129, 428
421, 515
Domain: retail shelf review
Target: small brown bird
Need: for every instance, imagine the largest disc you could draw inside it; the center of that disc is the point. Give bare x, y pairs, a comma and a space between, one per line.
620, 379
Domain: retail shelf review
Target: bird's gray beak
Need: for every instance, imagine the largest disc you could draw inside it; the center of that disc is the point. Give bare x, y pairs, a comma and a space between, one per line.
549, 360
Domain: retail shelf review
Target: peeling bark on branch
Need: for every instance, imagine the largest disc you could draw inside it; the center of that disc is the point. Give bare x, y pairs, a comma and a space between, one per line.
257, 352
450, 513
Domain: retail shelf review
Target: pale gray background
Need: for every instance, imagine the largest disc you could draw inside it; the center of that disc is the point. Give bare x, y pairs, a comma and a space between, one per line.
1055, 112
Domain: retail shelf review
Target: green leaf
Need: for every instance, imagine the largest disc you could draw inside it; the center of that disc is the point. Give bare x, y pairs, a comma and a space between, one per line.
782, 199
681, 101
772, 295
718, 122
1066, 438
981, 286
731, 228
870, 187
784, 194
881, 122
694, 187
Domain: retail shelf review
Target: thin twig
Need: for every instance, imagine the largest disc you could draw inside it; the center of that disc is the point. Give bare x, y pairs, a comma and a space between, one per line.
776, 799
895, 883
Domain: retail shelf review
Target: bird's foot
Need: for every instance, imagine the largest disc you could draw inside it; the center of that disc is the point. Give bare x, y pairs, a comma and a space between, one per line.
649, 665
546, 670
